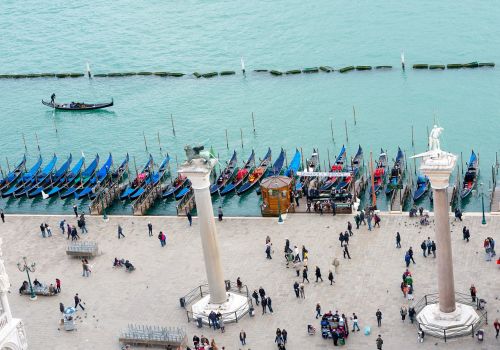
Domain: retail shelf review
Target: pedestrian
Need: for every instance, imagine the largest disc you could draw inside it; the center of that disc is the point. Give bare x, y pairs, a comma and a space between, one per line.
433, 249
284, 335
2, 215
268, 250
318, 274
349, 228
264, 305
464, 229
120, 232
428, 243
423, 246
458, 214
336, 264
355, 322
295, 289
48, 230
410, 253
304, 275
78, 301
357, 221
411, 314
74, 234
219, 212
346, 252
318, 310
256, 297
407, 259
496, 325
221, 325
308, 210
163, 239
296, 197
243, 337
346, 237
297, 266
473, 293
379, 342
377, 220
398, 240
334, 208
269, 304
379, 317
403, 312
302, 291
83, 224
190, 218
196, 341
262, 293
330, 277
68, 230
62, 225
362, 217
369, 221
42, 229
150, 229
75, 210
341, 239
58, 285
85, 268
467, 235
61, 308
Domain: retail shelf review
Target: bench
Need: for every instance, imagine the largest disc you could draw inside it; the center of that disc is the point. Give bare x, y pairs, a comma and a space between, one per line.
82, 249
43, 290
155, 336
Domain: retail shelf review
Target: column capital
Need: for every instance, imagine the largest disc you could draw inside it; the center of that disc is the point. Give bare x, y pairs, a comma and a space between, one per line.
198, 172
438, 166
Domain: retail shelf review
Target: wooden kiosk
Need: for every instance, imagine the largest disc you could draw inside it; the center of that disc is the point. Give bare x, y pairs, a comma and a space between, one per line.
276, 195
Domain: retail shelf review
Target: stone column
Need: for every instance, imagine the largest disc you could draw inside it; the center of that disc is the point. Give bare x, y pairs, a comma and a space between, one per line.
438, 168
198, 172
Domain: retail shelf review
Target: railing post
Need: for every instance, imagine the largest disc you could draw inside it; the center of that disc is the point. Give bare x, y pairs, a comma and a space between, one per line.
201, 292
236, 316
444, 331
472, 328
426, 300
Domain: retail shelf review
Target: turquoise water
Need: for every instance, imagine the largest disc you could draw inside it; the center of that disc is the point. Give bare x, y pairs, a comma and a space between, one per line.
292, 111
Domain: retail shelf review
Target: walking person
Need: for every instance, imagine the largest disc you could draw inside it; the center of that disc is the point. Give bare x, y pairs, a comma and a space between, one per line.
379, 342
349, 228
219, 212
369, 221
83, 224
58, 285
377, 220
378, 314
398, 240
302, 291
243, 337
433, 249
2, 215
284, 335
150, 229
268, 250
496, 325
362, 217
68, 230
75, 210
304, 275
62, 225
410, 253
473, 292
42, 229
346, 237
423, 246
411, 314
318, 274
48, 230
256, 297
346, 252
163, 239
403, 312
295, 289
318, 310
341, 239
190, 218
428, 243
407, 259
78, 302
330, 277
355, 325
264, 305
269, 304
120, 232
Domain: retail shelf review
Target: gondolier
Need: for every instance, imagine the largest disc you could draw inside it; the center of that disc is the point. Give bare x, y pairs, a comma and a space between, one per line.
53, 98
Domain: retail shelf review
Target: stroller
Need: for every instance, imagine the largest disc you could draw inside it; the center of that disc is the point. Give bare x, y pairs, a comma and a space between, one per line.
480, 334
311, 330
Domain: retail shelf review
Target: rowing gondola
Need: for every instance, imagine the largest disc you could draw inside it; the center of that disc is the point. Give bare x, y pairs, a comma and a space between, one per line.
226, 175
81, 180
37, 180
422, 187
241, 175
12, 176
139, 179
25, 178
338, 166
379, 173
63, 182
470, 177
256, 175
54, 178
396, 172
78, 106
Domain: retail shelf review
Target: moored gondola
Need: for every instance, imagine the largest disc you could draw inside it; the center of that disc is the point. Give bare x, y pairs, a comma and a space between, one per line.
256, 174
356, 164
241, 175
337, 167
81, 180
24, 178
12, 176
470, 177
379, 173
396, 172
422, 187
63, 182
53, 179
226, 175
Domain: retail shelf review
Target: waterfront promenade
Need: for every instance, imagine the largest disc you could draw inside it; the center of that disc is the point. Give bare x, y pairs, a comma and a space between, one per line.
150, 295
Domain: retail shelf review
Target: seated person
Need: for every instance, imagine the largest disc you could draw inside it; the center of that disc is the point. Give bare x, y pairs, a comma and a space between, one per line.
128, 265
36, 283
24, 287
117, 262
52, 289
310, 329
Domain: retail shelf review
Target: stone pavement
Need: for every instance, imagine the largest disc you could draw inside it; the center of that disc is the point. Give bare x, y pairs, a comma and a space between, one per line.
150, 295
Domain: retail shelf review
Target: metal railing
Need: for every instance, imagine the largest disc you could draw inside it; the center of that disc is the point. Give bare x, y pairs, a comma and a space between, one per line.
449, 332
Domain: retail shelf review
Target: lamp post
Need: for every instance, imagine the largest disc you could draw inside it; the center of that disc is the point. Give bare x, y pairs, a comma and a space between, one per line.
483, 222
28, 268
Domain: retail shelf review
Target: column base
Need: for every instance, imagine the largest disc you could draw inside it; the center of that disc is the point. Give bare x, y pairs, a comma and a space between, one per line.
461, 322
235, 307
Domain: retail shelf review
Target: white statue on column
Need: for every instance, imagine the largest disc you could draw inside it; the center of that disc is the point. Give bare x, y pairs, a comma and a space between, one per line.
13, 332
434, 144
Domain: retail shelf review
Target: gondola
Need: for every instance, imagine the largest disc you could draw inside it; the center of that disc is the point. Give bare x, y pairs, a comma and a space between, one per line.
278, 164
81, 180
12, 176
337, 167
294, 165
63, 182
52, 179
139, 179
379, 172
77, 106
396, 172
38, 179
356, 164
422, 187
97, 179
470, 178
176, 186
118, 173
256, 174
241, 175
183, 192
312, 165
25, 178
226, 175
153, 179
